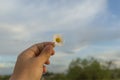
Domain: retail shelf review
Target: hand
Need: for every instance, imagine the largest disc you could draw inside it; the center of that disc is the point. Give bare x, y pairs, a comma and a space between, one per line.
30, 63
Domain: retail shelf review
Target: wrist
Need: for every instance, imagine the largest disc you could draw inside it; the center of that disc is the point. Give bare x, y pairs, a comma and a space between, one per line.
17, 77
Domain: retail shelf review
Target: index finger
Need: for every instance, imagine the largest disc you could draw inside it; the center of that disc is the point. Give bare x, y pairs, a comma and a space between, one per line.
37, 48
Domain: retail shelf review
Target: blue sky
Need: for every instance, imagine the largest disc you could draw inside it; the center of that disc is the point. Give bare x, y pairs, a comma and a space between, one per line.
89, 27
114, 7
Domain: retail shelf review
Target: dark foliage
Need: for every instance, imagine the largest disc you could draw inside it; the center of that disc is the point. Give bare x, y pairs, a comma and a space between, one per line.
85, 69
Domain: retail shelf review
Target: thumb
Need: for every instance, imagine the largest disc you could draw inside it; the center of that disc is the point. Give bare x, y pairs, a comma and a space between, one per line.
45, 54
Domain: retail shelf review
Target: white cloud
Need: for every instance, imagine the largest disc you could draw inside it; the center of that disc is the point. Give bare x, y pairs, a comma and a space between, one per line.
7, 6
109, 55
50, 16
6, 65
32, 20
13, 31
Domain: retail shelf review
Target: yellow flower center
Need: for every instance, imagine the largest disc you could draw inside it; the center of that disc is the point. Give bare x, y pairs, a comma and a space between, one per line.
58, 40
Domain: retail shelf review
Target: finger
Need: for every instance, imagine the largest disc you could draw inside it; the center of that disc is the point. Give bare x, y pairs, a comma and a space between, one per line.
40, 46
36, 49
45, 54
44, 69
47, 62
45, 43
53, 52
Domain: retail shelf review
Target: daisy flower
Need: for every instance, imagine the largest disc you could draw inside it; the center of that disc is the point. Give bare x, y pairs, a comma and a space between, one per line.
57, 38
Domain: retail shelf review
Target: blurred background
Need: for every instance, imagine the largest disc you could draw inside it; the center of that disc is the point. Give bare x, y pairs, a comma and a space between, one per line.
90, 28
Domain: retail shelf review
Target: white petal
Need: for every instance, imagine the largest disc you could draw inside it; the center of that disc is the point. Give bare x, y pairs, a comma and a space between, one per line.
61, 40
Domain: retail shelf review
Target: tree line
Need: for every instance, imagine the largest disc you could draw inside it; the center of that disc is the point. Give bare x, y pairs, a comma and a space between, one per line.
84, 69
88, 69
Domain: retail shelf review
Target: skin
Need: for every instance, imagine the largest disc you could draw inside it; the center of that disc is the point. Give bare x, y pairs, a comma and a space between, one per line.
30, 63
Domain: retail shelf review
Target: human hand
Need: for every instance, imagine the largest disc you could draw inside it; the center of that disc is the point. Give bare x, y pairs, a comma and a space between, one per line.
30, 63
